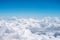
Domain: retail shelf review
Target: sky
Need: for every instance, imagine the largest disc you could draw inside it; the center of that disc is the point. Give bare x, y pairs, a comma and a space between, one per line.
29, 8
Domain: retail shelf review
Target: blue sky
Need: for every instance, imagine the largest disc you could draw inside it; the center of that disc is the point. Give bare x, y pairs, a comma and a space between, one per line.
30, 8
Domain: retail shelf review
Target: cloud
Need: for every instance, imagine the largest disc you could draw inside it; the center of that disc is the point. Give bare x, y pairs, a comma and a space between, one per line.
14, 28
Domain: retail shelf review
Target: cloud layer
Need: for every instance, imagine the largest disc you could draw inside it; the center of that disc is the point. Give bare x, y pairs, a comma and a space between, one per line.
14, 28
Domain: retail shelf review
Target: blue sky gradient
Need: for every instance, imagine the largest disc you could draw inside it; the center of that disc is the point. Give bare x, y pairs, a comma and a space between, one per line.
29, 8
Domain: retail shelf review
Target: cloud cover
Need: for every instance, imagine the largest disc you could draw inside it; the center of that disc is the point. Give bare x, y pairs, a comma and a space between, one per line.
14, 28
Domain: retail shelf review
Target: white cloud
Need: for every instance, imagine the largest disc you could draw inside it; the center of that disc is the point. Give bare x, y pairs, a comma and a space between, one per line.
29, 28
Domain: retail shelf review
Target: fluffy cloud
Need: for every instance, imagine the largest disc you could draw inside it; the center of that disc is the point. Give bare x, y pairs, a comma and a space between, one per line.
14, 28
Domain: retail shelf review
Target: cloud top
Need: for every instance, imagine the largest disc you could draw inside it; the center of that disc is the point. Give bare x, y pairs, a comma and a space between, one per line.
14, 28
